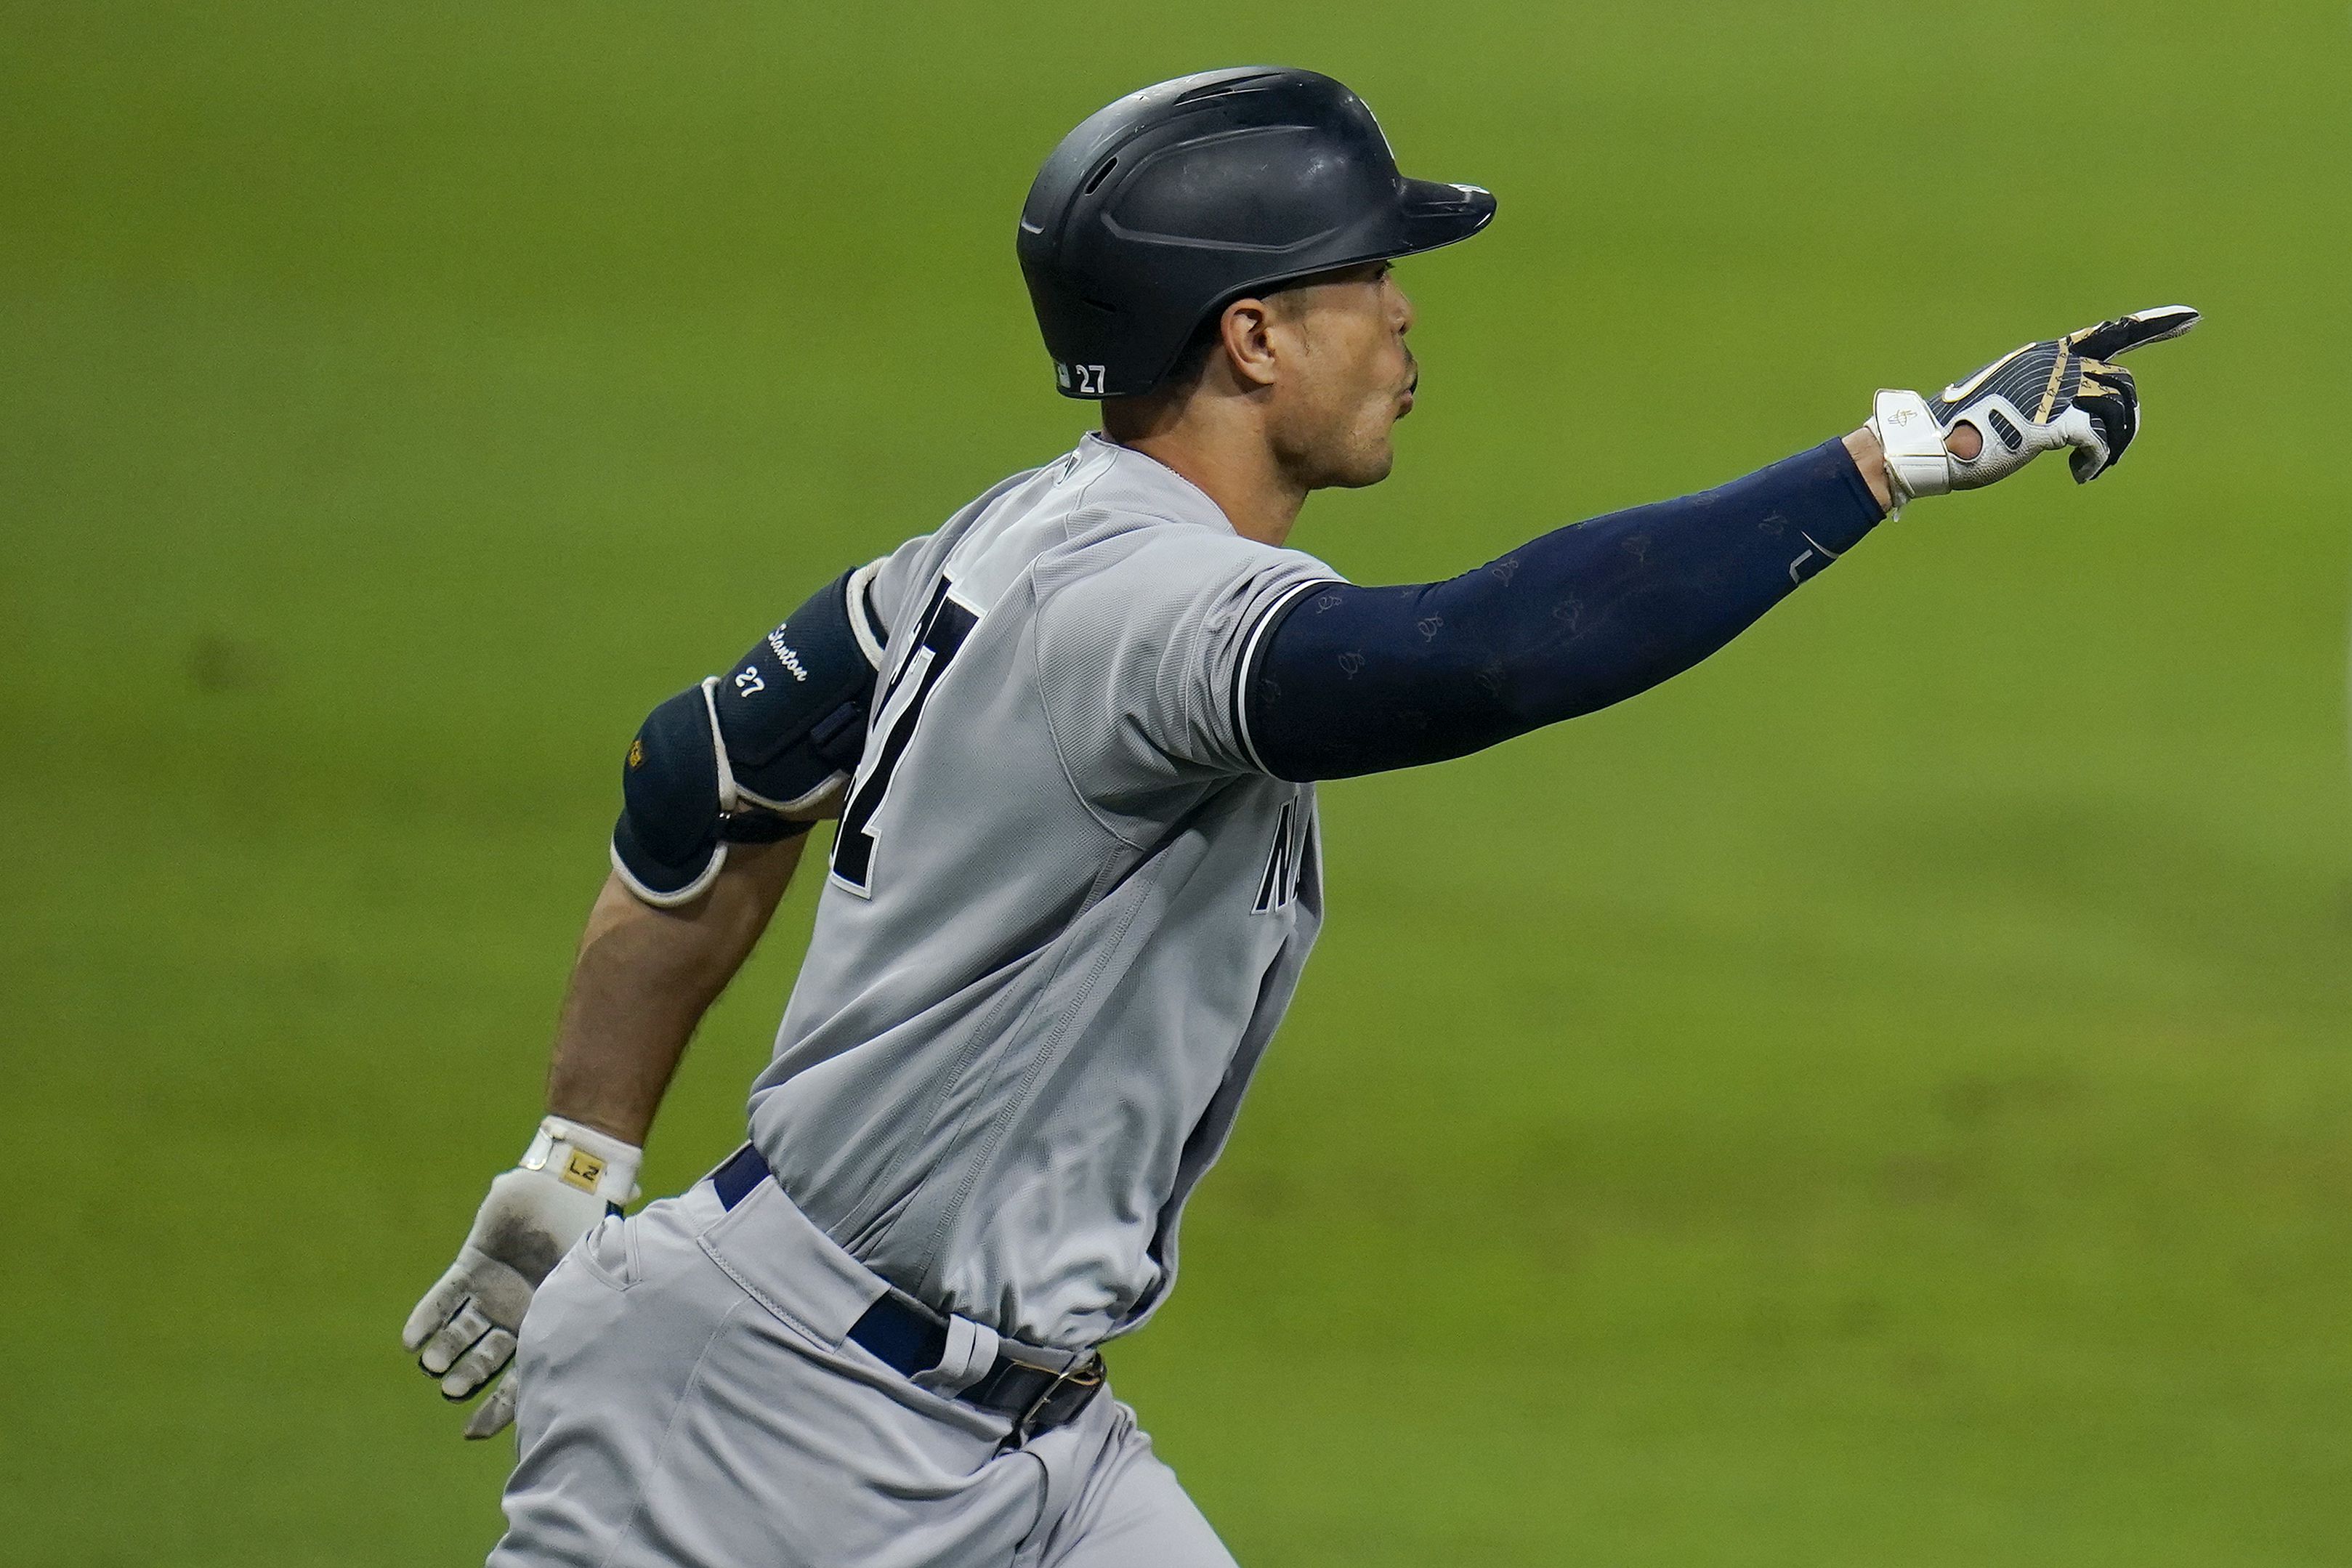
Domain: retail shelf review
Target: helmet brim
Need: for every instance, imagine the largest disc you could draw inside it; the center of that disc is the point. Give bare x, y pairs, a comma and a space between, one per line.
1431, 214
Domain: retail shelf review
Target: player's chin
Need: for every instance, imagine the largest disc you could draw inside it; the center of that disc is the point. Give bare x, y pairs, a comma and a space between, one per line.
1368, 465
1371, 454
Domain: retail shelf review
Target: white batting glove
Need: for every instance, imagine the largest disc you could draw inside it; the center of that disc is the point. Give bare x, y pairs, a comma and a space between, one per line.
464, 1330
2059, 393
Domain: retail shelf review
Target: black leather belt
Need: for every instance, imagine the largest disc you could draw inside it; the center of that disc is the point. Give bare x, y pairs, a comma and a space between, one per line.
1038, 1398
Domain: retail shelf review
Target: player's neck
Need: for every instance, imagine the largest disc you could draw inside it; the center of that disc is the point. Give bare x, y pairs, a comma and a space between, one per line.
1235, 468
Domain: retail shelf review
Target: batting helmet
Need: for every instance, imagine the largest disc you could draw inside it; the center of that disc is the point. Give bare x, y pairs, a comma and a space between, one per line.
1160, 210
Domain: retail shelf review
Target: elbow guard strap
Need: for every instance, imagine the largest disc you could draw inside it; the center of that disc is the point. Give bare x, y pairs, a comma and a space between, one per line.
750, 755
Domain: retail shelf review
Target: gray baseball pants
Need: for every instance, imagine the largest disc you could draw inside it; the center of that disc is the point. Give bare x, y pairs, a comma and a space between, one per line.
690, 1396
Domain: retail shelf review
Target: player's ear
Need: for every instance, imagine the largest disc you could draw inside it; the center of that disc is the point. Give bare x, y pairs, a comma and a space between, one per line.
1248, 329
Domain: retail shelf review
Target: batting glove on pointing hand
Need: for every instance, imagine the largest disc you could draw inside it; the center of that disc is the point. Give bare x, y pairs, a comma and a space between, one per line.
2045, 395
464, 1330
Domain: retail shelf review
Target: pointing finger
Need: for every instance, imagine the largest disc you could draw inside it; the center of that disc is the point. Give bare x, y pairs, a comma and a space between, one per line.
2138, 330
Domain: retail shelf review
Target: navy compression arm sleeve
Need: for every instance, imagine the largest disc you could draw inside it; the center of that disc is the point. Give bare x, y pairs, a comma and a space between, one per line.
1355, 680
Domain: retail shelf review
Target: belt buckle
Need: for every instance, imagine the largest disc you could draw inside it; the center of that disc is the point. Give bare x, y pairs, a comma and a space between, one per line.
1086, 1374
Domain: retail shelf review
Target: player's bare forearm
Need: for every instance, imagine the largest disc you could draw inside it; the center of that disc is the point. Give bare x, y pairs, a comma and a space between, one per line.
1871, 458
641, 982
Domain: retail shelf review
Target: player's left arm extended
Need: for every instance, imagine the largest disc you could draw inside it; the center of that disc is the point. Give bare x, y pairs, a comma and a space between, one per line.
1352, 680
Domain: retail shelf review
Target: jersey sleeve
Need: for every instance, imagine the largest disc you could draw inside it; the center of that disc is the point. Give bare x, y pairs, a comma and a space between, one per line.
1140, 657
887, 583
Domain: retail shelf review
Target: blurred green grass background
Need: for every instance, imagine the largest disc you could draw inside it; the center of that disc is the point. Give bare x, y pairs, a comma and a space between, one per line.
1880, 1099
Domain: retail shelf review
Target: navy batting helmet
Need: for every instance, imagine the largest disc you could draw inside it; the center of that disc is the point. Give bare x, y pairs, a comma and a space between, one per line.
1160, 210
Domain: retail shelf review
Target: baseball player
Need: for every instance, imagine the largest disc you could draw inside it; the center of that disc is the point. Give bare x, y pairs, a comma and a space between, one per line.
1072, 737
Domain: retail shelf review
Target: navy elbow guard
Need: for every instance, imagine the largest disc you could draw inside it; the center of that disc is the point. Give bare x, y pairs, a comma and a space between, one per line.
741, 757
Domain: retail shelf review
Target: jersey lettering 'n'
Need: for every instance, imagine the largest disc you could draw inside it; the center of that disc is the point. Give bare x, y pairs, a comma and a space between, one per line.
1066, 905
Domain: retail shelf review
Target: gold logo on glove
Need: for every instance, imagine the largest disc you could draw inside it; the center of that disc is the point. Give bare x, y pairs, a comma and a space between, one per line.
582, 1170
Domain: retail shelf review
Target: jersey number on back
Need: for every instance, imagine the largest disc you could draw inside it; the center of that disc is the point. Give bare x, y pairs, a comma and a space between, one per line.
946, 622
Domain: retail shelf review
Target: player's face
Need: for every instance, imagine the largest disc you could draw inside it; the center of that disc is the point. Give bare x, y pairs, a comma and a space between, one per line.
1347, 379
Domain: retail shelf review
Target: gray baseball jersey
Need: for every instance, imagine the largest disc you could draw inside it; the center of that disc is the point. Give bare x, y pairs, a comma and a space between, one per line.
1066, 906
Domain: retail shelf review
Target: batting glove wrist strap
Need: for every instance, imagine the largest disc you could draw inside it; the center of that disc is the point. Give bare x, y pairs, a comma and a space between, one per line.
1916, 463
580, 1156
